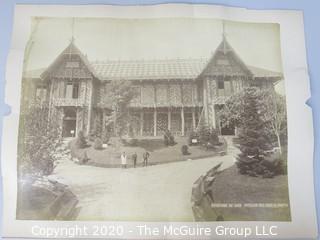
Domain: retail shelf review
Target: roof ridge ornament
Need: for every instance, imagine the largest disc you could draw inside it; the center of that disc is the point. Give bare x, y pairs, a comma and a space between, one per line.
72, 30
224, 38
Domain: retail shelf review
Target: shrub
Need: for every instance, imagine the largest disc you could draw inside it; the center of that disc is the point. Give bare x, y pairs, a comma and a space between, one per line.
185, 150
208, 135
171, 140
106, 137
39, 145
276, 163
266, 166
268, 174
214, 137
81, 140
204, 134
248, 164
83, 158
193, 135
168, 138
133, 142
48, 168
97, 144
92, 136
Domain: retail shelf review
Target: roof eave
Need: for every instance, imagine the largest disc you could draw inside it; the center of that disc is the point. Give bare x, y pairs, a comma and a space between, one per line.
274, 79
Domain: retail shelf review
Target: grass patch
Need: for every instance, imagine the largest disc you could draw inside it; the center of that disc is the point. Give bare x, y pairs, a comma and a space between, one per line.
232, 187
159, 153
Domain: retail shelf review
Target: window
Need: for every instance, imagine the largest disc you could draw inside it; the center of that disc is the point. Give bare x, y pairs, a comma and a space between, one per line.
224, 86
75, 92
228, 90
72, 90
72, 64
223, 62
137, 94
61, 89
41, 93
106, 88
220, 84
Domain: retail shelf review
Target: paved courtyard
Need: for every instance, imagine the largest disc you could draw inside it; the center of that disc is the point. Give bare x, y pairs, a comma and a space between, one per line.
154, 193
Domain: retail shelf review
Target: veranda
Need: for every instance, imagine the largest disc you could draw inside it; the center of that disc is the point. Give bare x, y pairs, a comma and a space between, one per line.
180, 121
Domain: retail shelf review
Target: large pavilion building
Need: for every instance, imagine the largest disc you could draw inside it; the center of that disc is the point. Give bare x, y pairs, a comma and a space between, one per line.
171, 94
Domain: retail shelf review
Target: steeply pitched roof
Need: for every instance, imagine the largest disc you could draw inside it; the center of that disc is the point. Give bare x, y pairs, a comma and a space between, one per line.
168, 69
264, 73
226, 62
69, 51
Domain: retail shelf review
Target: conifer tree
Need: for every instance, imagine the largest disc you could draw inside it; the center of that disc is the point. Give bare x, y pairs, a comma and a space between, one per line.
253, 135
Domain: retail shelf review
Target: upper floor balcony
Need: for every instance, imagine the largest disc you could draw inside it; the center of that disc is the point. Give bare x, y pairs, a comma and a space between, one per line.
220, 99
68, 102
164, 104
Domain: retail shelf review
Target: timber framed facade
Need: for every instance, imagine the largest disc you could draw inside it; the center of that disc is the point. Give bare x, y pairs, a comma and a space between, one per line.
171, 94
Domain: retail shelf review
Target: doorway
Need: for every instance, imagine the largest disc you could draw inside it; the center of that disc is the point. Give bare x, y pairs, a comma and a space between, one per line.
228, 129
69, 123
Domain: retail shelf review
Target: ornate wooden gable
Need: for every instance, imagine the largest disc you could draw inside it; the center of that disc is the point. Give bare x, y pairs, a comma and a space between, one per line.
225, 62
70, 64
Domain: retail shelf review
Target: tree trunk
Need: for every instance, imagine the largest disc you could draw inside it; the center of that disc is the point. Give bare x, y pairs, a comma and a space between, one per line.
279, 142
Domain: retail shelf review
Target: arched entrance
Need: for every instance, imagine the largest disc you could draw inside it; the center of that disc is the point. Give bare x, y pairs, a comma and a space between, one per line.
69, 122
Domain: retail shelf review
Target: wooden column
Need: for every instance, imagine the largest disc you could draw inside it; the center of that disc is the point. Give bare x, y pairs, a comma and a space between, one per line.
193, 119
169, 108
61, 116
155, 110
82, 123
205, 100
141, 122
182, 121
103, 121
115, 124
51, 86
169, 119
231, 83
213, 116
77, 127
141, 86
89, 105
155, 122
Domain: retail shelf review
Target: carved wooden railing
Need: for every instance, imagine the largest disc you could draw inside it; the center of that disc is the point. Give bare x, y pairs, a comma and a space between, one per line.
64, 102
220, 99
151, 104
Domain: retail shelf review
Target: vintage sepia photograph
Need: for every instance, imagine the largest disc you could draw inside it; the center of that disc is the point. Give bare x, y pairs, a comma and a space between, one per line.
155, 120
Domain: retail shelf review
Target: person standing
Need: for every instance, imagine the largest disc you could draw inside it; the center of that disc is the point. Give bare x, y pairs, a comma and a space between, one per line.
146, 158
124, 160
134, 159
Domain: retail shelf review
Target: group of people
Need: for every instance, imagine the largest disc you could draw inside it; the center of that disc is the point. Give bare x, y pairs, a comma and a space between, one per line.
134, 159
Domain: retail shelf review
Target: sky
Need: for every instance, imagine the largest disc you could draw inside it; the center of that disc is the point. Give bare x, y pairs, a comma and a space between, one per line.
258, 44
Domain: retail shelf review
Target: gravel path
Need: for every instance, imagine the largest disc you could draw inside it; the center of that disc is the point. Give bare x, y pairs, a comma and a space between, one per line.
154, 193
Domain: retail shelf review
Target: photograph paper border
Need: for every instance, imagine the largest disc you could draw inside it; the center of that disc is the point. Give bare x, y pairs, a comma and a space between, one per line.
300, 125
